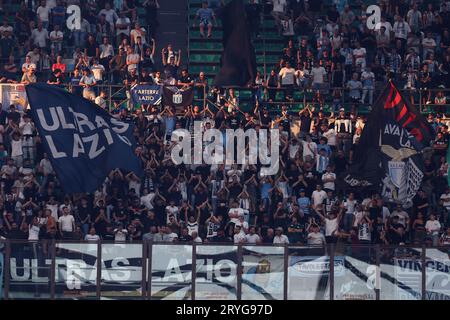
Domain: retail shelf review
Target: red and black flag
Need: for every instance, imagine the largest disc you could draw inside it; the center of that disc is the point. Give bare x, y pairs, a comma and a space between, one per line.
390, 151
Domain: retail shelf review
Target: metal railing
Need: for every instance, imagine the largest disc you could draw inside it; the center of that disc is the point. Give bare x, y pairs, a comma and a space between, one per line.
148, 270
117, 95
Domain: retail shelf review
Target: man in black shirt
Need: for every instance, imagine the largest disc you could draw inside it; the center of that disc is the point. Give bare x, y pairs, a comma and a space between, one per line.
92, 49
265, 119
233, 120
220, 237
55, 78
184, 236
171, 66
13, 114
131, 78
305, 121
146, 78
185, 79
332, 14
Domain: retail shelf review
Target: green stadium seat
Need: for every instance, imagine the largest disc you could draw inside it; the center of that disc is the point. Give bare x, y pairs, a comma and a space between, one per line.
195, 69
205, 46
195, 34
268, 59
205, 58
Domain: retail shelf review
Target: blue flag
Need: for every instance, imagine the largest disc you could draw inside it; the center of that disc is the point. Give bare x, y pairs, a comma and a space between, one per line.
146, 94
83, 141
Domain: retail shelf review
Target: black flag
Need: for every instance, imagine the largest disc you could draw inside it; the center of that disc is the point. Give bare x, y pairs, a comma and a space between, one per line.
178, 97
238, 62
390, 150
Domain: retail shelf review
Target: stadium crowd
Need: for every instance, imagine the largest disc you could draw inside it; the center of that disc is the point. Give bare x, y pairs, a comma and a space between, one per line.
306, 202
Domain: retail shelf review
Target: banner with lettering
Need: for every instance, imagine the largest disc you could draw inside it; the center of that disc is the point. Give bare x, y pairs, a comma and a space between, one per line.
146, 94
84, 142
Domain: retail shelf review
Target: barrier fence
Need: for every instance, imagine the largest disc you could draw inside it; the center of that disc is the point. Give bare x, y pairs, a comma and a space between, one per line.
118, 96
182, 271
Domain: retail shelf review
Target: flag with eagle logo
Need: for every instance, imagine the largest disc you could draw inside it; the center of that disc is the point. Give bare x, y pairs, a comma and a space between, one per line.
178, 97
391, 149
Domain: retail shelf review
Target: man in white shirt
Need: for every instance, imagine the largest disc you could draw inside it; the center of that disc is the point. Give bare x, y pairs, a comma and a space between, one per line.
331, 224
120, 233
445, 198
110, 14
33, 230
52, 205
173, 210
101, 100
359, 54
92, 236
39, 36
278, 12
138, 31
106, 51
433, 226
383, 23
309, 148
330, 134
5, 29
28, 64
318, 74
428, 44
287, 79
403, 217
147, 199
318, 196
123, 26
280, 238
239, 235
66, 223
315, 237
43, 12
133, 59
252, 237
45, 166
328, 179
414, 18
97, 71
401, 29
56, 39
368, 82
350, 205
235, 212
383, 38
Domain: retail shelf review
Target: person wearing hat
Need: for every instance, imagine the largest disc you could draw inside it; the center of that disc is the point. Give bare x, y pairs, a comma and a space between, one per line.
29, 76
280, 238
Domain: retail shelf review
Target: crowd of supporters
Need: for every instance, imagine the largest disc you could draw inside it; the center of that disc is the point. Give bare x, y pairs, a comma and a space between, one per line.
305, 202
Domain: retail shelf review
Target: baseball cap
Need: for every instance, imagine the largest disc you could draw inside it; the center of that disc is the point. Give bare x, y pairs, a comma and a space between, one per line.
341, 109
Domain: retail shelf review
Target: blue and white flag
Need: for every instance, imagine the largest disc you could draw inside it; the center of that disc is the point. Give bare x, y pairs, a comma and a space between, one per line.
83, 141
146, 94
